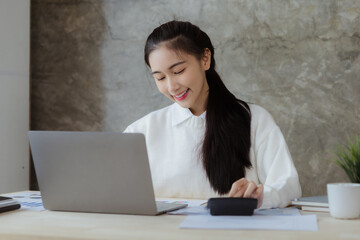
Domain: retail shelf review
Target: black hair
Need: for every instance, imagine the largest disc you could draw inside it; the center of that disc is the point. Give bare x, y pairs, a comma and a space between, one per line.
226, 145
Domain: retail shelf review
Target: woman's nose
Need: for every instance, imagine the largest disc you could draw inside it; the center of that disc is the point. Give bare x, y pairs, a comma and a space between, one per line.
173, 86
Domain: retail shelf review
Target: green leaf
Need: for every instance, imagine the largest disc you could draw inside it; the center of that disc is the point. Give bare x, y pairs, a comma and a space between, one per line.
348, 158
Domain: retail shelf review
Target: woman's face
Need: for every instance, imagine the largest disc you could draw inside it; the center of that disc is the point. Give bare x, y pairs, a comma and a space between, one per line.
181, 77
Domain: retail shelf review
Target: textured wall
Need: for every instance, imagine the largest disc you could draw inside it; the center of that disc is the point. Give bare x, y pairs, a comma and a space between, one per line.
298, 59
14, 95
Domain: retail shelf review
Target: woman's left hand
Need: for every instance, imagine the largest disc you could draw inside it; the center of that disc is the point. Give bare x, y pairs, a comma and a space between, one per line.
243, 188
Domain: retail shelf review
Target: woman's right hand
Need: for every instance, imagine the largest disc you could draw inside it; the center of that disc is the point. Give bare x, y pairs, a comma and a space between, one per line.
243, 188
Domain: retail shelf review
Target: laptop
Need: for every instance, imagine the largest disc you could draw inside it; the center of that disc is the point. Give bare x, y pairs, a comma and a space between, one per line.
97, 172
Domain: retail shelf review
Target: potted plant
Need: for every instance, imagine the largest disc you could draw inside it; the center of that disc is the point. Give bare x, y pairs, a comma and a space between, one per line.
348, 158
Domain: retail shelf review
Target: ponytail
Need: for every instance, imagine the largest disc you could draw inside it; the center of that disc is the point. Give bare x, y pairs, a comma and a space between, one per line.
227, 143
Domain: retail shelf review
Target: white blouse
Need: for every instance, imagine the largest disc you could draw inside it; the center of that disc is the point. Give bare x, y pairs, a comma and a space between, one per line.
174, 137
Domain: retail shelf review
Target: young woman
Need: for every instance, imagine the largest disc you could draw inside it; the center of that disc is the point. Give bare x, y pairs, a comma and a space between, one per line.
209, 143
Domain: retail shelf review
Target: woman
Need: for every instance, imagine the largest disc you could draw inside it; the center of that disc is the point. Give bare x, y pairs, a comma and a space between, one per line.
208, 143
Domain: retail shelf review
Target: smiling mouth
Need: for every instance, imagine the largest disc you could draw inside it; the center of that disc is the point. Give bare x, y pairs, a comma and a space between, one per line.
182, 96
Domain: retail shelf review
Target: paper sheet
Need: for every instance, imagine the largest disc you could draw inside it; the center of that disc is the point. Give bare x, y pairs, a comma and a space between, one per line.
278, 212
190, 203
202, 210
195, 210
258, 222
263, 219
28, 200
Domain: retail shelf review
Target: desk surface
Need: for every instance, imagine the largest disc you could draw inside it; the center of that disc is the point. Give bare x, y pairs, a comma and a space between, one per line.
25, 224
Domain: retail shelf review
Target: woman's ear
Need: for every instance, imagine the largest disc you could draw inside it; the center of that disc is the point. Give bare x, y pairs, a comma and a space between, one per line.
206, 59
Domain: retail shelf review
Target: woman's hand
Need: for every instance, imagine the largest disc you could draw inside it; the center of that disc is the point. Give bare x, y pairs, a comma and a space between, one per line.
243, 188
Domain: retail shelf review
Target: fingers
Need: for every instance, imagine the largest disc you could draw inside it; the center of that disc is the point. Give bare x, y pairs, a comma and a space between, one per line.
242, 188
237, 188
259, 195
259, 191
251, 188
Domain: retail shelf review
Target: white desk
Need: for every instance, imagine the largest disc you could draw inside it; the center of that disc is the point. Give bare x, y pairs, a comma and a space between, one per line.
25, 224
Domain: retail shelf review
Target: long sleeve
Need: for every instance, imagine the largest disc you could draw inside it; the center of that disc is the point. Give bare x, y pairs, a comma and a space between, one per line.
275, 167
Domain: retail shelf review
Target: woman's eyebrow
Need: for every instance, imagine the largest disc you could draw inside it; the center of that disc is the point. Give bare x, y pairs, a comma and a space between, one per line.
175, 64
172, 66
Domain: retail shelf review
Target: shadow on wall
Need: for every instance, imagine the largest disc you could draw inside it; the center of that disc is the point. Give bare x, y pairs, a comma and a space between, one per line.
66, 68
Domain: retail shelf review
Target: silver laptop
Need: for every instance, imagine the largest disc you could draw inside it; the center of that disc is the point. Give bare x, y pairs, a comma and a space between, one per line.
99, 172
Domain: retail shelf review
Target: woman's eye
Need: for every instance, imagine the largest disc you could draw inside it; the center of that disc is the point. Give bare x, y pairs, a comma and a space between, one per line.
159, 79
179, 71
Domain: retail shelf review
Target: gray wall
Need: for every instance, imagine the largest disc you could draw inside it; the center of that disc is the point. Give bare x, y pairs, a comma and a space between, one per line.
14, 95
298, 59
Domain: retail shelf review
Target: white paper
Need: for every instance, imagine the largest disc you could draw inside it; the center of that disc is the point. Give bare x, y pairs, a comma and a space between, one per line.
195, 210
258, 222
28, 200
202, 210
278, 212
190, 203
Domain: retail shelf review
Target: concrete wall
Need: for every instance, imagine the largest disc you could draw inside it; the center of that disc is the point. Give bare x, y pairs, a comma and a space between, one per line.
14, 95
298, 59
